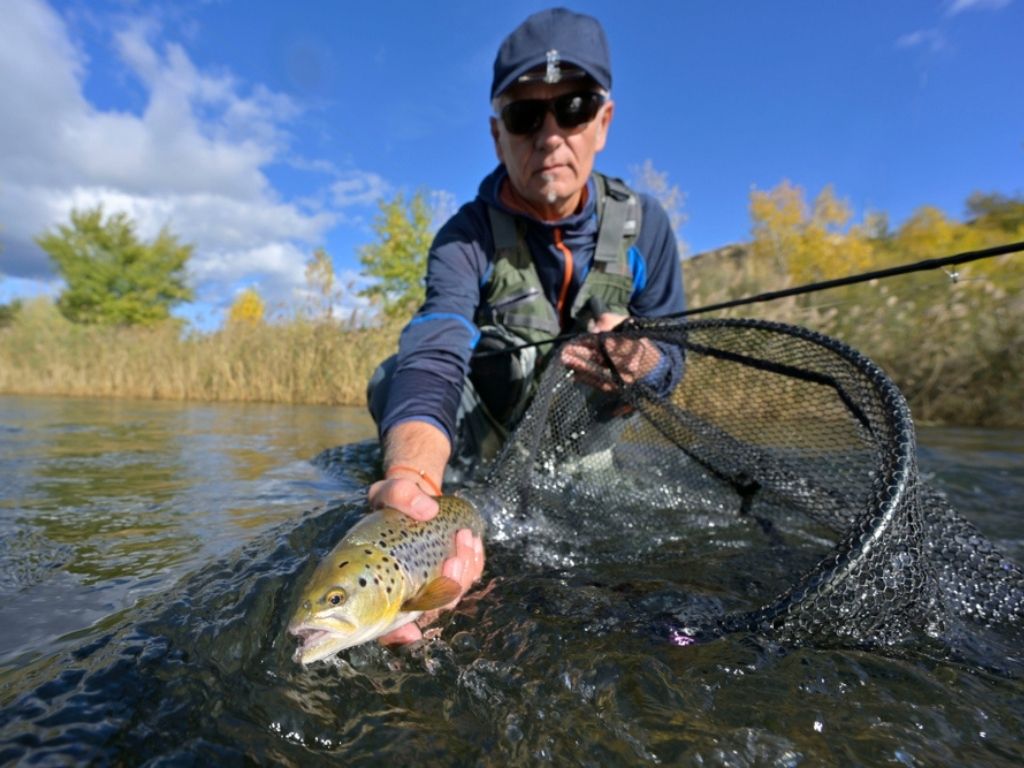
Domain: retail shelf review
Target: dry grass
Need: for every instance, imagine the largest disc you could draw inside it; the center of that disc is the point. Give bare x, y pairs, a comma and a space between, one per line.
955, 349
297, 361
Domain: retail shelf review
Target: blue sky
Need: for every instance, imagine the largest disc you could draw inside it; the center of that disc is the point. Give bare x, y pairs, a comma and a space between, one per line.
259, 131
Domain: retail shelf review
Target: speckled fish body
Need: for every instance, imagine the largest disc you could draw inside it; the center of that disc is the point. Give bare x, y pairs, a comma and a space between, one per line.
384, 573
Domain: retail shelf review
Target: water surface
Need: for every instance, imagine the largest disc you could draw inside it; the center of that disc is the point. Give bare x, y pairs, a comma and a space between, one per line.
105, 501
151, 554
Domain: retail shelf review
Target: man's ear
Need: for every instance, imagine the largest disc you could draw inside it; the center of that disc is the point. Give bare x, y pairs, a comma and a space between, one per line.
495, 134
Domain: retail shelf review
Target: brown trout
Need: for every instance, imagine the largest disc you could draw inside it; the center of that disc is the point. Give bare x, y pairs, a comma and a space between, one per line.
384, 573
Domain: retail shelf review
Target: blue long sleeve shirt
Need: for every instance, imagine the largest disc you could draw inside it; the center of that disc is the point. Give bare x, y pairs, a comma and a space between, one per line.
435, 347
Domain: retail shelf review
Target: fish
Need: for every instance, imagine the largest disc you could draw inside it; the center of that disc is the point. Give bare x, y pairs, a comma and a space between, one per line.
384, 573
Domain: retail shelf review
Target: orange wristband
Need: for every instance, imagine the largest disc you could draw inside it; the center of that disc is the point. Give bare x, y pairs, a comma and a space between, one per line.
423, 476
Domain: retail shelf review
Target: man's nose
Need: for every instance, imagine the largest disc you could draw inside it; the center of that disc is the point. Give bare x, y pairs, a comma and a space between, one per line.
550, 132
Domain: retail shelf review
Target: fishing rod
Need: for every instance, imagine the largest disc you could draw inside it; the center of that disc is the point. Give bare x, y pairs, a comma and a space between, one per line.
904, 269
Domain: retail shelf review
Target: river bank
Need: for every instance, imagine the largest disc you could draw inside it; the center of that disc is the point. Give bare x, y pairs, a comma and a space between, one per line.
955, 350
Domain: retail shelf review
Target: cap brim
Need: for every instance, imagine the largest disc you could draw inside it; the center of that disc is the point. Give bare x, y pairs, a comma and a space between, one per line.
537, 73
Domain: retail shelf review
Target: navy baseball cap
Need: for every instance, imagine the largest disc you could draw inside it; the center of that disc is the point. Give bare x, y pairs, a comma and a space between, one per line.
561, 43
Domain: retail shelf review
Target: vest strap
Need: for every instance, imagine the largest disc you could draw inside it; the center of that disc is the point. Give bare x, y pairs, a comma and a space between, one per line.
514, 297
503, 226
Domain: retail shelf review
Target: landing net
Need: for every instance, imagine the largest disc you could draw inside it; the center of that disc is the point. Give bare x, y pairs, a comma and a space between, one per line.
777, 427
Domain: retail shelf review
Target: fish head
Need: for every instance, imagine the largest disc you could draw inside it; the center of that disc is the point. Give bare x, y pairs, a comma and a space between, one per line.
353, 596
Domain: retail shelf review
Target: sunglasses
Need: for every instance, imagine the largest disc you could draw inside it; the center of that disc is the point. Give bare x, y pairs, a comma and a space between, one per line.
570, 110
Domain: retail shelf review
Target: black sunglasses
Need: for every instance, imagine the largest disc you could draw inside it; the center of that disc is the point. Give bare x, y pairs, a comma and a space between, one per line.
570, 110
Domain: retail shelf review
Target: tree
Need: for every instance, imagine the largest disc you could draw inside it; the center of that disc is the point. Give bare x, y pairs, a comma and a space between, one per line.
807, 243
996, 211
8, 312
320, 279
399, 259
112, 277
247, 309
647, 178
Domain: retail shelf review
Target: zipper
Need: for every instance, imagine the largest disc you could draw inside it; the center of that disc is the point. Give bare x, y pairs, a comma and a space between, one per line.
566, 277
521, 296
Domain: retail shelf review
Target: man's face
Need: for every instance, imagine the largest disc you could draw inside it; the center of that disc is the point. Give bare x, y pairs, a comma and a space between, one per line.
550, 167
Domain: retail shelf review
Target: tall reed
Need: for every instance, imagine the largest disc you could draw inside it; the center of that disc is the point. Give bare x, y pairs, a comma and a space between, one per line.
296, 361
955, 348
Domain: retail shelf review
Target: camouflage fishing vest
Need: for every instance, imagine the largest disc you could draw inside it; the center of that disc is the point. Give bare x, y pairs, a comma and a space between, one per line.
515, 308
514, 298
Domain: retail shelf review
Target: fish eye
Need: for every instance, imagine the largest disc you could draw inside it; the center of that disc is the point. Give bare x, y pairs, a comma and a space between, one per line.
336, 596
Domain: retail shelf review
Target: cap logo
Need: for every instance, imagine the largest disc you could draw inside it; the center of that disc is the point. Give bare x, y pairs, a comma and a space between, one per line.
553, 73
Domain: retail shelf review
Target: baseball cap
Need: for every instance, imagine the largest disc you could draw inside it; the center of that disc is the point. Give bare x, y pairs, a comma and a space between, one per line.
562, 43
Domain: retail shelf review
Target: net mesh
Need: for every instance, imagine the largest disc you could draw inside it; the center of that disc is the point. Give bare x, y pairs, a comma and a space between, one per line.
787, 432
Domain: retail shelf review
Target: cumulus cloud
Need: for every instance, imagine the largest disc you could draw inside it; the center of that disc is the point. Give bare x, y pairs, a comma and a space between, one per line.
191, 160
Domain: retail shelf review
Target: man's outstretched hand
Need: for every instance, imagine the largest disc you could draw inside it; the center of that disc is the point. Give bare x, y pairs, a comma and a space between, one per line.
465, 567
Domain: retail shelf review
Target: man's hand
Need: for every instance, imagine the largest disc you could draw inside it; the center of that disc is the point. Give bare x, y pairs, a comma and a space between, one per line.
465, 567
633, 359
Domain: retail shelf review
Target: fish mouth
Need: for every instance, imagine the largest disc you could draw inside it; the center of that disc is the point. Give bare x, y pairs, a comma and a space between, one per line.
317, 641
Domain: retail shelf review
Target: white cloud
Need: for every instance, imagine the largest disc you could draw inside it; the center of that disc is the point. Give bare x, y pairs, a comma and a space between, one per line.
931, 39
359, 188
193, 159
959, 6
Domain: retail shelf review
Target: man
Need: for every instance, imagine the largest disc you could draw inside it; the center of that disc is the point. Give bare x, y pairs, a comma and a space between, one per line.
547, 247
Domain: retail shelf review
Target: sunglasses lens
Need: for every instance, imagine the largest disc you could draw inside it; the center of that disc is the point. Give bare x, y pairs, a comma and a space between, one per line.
570, 109
578, 108
524, 116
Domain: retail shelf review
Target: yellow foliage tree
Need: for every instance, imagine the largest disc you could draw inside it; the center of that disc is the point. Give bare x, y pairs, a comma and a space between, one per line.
806, 243
927, 234
997, 219
247, 309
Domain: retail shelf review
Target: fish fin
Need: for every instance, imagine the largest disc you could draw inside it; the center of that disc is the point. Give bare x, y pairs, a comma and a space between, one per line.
434, 594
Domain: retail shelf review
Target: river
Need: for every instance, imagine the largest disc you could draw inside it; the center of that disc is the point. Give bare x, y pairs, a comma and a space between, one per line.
146, 553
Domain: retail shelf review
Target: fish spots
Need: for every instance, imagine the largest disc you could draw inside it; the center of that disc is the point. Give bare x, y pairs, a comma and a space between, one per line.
343, 564
362, 582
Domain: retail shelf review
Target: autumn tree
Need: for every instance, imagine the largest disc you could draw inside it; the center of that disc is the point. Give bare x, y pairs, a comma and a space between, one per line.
112, 277
806, 243
398, 260
247, 309
997, 212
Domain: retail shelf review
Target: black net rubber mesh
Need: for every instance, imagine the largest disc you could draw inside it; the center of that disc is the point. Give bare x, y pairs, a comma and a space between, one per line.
777, 427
